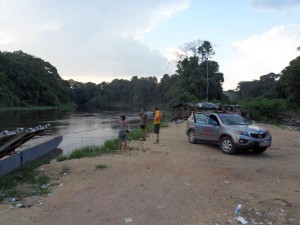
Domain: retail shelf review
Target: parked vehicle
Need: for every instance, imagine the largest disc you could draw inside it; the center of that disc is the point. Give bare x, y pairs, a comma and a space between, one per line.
230, 131
150, 115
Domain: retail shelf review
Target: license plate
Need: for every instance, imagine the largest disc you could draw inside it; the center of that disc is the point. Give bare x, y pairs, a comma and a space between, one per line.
264, 144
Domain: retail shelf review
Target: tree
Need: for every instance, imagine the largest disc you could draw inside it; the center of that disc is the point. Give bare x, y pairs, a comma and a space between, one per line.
289, 83
195, 72
264, 87
33, 81
205, 51
7, 97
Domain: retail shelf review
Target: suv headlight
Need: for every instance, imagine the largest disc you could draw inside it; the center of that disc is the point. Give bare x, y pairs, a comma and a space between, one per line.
244, 133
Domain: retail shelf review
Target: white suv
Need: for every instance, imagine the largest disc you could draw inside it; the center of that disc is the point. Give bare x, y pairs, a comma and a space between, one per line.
230, 131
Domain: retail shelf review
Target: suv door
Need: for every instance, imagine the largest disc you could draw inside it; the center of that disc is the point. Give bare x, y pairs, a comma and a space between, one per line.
206, 128
214, 131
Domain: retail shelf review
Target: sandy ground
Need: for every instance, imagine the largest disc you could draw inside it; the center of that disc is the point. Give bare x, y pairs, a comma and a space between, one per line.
173, 183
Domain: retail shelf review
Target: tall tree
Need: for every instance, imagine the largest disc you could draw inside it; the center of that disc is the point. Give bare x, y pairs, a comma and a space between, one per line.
264, 87
289, 83
195, 72
205, 50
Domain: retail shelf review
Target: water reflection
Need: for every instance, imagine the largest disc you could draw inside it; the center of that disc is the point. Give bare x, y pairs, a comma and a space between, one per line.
29, 118
77, 129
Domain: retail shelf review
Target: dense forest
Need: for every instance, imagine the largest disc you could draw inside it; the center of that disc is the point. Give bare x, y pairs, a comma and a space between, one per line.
26, 81
29, 81
188, 84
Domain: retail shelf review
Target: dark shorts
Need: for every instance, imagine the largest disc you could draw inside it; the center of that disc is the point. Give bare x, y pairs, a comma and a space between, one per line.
143, 127
156, 128
122, 135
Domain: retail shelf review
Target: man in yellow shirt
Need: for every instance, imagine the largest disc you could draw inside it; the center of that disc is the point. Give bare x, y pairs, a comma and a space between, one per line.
157, 119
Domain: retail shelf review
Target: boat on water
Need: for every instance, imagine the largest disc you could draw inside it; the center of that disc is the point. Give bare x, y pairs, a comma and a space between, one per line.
11, 140
13, 152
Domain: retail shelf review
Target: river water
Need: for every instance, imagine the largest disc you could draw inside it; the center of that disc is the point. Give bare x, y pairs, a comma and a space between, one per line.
78, 129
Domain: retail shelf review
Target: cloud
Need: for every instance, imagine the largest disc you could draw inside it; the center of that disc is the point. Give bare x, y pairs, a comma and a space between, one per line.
50, 26
280, 5
99, 39
5, 40
262, 54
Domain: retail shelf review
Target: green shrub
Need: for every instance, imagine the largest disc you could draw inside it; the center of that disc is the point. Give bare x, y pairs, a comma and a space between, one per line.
80, 153
27, 181
135, 134
262, 109
61, 158
101, 166
109, 146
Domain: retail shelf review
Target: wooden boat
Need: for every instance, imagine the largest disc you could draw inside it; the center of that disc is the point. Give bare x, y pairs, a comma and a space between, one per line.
10, 140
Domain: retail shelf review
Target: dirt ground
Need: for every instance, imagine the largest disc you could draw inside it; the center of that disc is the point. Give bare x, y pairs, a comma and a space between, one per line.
173, 183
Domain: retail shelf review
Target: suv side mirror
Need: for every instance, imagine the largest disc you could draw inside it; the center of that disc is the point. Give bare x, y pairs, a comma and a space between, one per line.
215, 123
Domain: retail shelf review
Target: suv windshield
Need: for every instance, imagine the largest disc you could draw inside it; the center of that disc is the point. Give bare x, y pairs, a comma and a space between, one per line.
233, 119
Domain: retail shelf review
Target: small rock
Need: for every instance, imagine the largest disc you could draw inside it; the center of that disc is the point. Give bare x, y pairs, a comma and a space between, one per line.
242, 220
42, 169
12, 199
128, 220
44, 186
20, 205
188, 184
50, 194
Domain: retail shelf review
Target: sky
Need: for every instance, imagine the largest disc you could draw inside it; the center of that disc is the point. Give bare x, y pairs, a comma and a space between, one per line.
102, 40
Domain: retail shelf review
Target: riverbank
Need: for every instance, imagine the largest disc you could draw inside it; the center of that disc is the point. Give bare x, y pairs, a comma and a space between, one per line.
171, 183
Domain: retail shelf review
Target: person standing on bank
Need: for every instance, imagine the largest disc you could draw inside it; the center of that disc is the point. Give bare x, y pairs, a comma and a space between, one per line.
123, 127
144, 123
157, 119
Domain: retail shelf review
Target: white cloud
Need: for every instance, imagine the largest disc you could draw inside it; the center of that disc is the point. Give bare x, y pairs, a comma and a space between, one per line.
50, 26
152, 13
5, 39
275, 4
262, 54
88, 38
285, 8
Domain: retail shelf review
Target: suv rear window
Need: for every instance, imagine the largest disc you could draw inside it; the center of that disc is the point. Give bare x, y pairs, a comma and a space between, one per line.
200, 118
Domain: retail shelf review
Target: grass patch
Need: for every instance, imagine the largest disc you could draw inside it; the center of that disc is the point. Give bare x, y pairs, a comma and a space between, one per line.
27, 181
65, 170
109, 146
134, 134
61, 158
101, 166
86, 151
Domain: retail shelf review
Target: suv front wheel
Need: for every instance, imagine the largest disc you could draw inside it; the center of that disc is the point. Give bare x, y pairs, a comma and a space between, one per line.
226, 145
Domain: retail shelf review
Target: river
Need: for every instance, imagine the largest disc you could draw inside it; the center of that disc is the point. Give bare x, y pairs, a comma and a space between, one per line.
78, 129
